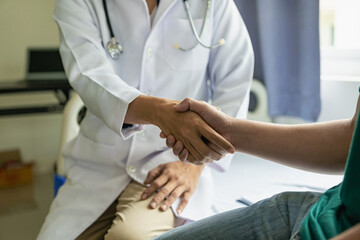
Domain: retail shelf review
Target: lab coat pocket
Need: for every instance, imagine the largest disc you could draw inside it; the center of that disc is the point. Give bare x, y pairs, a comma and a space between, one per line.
178, 32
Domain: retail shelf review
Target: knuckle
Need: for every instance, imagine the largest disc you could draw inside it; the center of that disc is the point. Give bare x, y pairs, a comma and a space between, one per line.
171, 198
157, 198
174, 152
207, 152
168, 172
156, 185
152, 174
169, 142
200, 158
165, 191
176, 179
185, 201
182, 157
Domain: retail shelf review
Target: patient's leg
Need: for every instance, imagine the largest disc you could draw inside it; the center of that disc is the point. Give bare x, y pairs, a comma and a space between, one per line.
278, 217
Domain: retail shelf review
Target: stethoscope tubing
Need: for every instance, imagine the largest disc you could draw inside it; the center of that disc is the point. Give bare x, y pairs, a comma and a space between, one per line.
192, 25
108, 19
113, 46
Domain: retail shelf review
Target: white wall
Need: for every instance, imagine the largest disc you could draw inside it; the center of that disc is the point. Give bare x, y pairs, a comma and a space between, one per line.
26, 24
338, 98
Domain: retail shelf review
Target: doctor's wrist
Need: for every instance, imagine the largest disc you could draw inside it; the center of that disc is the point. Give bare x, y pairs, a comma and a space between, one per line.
148, 110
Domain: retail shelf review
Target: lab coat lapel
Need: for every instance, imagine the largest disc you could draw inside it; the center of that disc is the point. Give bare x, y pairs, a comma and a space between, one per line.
163, 9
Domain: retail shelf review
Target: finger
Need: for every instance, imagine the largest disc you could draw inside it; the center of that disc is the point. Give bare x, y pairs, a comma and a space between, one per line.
217, 149
162, 194
177, 148
199, 163
215, 138
172, 197
162, 135
153, 174
189, 104
154, 186
184, 202
183, 155
204, 149
191, 158
170, 141
194, 151
183, 106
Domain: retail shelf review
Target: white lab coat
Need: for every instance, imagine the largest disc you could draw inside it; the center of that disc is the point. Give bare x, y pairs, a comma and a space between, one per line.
104, 158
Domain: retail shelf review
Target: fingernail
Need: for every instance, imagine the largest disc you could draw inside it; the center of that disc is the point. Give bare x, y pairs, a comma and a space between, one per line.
153, 205
179, 211
144, 196
231, 150
170, 142
163, 207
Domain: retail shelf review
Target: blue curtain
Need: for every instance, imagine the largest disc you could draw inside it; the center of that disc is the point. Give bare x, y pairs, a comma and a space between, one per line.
285, 37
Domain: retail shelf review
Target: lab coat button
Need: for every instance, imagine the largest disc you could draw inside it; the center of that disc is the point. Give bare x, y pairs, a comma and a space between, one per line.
131, 169
149, 52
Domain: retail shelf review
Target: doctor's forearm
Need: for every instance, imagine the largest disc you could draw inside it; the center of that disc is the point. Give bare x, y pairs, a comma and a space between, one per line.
145, 110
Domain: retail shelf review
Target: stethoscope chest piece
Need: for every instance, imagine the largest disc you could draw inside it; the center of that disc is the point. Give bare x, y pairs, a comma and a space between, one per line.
114, 49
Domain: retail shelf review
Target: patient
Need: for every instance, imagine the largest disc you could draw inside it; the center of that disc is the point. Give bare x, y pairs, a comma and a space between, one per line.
320, 147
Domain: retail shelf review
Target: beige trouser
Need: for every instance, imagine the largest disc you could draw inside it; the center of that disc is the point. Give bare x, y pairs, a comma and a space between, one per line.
129, 218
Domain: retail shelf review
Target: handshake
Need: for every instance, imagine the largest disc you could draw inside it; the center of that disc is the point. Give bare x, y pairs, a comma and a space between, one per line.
205, 136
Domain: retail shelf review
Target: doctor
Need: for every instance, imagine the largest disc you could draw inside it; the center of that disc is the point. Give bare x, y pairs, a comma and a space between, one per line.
130, 95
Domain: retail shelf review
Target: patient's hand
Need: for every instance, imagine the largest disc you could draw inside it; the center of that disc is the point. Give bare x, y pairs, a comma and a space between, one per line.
202, 142
188, 127
219, 121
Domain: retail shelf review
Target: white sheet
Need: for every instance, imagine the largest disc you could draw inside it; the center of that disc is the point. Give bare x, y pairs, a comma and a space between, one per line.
253, 179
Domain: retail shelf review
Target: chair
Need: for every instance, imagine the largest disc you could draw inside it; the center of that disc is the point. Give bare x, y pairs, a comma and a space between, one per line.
258, 102
73, 113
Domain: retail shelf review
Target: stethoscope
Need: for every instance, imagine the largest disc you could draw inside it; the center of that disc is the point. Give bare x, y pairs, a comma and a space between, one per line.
115, 49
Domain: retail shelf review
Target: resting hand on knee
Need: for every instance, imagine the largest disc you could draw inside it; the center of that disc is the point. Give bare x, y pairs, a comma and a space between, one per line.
176, 179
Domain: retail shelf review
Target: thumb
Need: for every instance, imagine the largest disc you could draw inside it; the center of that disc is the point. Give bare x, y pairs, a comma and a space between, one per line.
183, 106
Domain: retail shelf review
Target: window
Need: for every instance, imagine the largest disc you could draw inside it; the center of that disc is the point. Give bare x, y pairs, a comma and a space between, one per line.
340, 39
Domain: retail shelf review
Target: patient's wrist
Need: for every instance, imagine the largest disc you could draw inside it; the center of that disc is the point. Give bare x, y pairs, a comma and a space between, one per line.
234, 132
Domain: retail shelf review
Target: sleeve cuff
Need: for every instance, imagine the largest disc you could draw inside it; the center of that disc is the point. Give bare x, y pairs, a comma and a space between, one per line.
127, 133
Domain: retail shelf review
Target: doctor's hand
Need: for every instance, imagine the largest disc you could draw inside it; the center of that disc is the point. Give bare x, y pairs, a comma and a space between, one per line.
213, 116
175, 179
201, 141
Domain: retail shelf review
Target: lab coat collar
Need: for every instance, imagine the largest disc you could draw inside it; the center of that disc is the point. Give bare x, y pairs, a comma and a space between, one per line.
163, 9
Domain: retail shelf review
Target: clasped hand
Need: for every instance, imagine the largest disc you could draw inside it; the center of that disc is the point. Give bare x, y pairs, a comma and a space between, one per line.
202, 142
213, 117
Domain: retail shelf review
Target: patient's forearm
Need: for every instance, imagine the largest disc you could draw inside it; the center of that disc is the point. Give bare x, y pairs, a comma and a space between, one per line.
317, 147
350, 234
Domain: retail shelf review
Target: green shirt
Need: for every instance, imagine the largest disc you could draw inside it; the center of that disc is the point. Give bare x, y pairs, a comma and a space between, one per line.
339, 208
